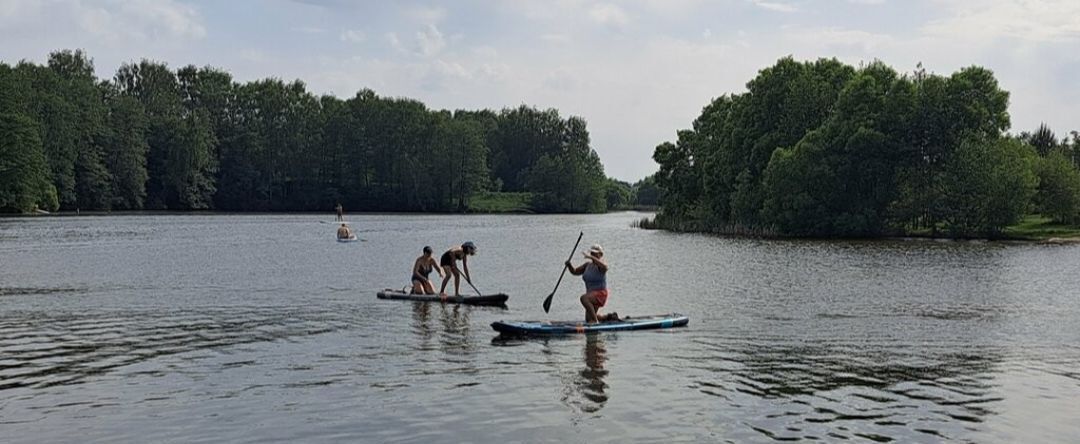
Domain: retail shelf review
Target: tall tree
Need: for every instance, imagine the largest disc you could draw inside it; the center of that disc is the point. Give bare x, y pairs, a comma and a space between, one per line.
24, 177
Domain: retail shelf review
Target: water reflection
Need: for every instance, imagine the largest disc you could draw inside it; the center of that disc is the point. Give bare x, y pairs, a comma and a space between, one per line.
586, 390
446, 323
55, 349
849, 390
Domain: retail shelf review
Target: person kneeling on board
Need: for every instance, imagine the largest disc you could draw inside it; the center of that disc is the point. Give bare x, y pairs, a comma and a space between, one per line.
449, 261
421, 269
594, 273
343, 232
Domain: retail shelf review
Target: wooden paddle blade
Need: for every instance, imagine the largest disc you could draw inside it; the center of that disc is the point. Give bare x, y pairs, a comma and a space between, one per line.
547, 302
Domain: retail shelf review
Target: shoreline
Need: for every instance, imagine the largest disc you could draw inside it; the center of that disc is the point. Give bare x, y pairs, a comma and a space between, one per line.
1066, 237
63, 214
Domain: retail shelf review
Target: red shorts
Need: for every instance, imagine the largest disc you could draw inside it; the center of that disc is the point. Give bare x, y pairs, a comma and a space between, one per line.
601, 297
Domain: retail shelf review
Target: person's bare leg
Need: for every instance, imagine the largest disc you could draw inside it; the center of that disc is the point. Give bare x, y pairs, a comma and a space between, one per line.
428, 289
417, 288
457, 283
446, 280
590, 307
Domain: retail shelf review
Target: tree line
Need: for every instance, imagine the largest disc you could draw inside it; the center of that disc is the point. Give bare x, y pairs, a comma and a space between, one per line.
196, 139
826, 149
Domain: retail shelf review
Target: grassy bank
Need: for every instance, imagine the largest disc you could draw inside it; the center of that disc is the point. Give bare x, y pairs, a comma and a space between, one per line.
500, 203
1037, 227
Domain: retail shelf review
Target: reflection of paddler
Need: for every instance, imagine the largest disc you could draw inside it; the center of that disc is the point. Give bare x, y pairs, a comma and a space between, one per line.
593, 384
343, 232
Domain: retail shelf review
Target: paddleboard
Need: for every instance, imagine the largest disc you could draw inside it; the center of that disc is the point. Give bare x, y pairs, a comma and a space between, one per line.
348, 239
574, 327
491, 299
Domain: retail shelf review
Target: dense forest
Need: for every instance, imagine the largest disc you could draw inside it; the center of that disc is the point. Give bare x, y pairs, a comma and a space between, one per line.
826, 149
196, 139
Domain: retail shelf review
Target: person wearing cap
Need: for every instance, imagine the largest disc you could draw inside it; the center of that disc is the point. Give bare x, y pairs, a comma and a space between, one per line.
449, 261
343, 232
594, 273
421, 269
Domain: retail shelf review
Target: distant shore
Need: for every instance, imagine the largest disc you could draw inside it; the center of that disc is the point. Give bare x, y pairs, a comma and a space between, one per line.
1033, 228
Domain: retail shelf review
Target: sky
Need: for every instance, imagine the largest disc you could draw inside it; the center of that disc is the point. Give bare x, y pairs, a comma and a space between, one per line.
637, 71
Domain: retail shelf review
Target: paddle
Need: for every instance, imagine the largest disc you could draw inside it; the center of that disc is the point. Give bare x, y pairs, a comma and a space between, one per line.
478, 293
547, 301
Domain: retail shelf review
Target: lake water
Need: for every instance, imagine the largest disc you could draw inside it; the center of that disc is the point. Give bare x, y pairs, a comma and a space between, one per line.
259, 328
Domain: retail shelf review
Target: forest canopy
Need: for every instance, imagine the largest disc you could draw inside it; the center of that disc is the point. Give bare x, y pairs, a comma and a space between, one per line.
826, 149
196, 139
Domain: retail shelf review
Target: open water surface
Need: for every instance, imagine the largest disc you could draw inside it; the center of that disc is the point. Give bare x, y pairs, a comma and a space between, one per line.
261, 328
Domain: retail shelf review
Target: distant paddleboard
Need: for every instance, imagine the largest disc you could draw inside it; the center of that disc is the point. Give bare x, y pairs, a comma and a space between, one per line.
353, 238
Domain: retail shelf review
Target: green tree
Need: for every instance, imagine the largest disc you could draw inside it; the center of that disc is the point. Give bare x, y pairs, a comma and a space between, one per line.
987, 185
1058, 193
645, 192
125, 154
1043, 139
618, 194
24, 177
181, 162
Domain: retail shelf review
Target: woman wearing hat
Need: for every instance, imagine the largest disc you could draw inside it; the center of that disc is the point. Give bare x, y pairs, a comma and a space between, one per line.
449, 261
594, 273
421, 269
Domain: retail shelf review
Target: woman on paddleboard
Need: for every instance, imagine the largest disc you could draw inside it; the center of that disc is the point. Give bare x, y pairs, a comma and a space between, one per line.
421, 269
449, 261
594, 273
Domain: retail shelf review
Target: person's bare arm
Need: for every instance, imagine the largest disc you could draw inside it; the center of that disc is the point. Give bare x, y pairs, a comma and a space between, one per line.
437, 267
576, 271
599, 261
416, 270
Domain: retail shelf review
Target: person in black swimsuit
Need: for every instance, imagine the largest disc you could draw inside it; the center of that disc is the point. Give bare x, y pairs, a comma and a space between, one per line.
449, 262
421, 269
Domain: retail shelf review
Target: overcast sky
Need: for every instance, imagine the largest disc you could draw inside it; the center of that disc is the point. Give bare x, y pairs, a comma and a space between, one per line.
637, 71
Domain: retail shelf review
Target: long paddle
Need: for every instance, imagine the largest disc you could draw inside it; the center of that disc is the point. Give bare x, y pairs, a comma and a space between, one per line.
547, 301
478, 293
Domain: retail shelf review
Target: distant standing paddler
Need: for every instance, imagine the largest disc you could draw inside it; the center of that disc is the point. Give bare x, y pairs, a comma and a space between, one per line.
340, 212
449, 261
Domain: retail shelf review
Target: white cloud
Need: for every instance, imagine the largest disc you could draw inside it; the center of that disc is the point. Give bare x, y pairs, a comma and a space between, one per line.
426, 15
352, 36
395, 42
427, 42
609, 14
430, 41
775, 6
1036, 21
834, 37
555, 38
452, 69
113, 22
